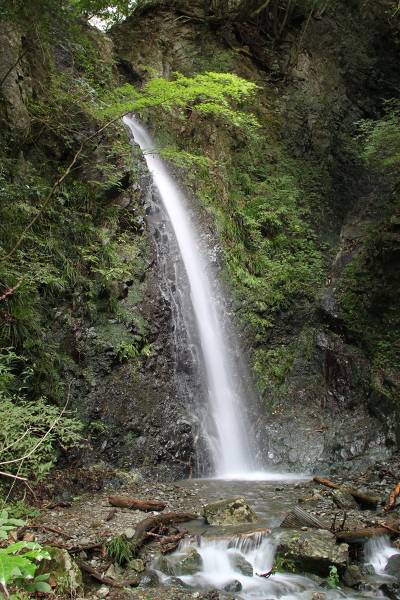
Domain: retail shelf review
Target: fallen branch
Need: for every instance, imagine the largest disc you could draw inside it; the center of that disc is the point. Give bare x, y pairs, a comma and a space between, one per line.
150, 524
53, 529
135, 504
392, 498
363, 499
389, 528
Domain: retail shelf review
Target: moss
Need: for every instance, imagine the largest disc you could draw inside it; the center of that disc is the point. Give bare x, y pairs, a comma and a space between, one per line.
64, 569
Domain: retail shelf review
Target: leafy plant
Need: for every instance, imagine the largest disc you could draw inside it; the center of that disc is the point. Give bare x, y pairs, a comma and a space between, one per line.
16, 562
333, 578
119, 550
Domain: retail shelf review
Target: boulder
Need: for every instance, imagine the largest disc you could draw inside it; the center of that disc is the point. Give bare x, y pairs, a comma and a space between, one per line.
352, 576
344, 500
161, 563
136, 564
233, 586
313, 551
63, 568
393, 566
149, 578
391, 590
240, 564
188, 561
231, 511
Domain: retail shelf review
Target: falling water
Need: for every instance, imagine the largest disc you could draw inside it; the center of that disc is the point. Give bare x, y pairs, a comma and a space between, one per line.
231, 453
378, 551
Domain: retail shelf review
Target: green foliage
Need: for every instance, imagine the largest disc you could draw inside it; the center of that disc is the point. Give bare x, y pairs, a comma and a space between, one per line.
119, 550
381, 138
333, 578
16, 562
369, 292
209, 93
283, 564
30, 430
272, 366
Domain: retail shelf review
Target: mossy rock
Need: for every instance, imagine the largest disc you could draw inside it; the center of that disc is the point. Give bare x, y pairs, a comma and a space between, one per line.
63, 568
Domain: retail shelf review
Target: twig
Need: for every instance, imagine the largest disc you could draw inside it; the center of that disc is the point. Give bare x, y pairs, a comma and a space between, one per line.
13, 66
53, 529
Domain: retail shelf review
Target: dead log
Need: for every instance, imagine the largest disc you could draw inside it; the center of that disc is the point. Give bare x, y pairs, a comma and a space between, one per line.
151, 524
362, 499
136, 504
393, 497
360, 535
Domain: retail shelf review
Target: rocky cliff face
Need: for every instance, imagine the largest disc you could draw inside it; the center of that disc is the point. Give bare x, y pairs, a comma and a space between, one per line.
325, 405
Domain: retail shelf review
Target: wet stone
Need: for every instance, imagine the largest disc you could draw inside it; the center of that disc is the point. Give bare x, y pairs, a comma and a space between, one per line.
352, 576
189, 561
149, 578
344, 500
229, 512
393, 566
233, 586
240, 564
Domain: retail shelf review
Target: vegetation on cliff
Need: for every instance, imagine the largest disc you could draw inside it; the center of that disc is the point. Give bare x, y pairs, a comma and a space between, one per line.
260, 138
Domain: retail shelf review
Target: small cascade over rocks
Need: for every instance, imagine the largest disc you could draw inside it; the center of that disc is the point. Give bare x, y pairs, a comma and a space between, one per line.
227, 432
377, 552
236, 564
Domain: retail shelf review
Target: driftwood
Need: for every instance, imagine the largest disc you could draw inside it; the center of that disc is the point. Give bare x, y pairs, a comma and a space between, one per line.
136, 504
362, 499
393, 497
360, 535
152, 524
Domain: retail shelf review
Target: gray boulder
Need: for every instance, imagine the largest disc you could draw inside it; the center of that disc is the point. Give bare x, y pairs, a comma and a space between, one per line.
352, 576
188, 561
393, 566
240, 564
313, 551
231, 511
233, 586
343, 499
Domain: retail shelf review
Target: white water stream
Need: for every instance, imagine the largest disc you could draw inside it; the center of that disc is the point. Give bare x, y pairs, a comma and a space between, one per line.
231, 452
235, 564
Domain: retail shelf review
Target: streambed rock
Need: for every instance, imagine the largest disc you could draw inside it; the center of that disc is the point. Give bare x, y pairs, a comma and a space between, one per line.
240, 564
188, 561
231, 511
313, 551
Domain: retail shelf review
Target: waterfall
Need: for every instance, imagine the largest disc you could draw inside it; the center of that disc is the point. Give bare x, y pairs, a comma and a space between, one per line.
230, 449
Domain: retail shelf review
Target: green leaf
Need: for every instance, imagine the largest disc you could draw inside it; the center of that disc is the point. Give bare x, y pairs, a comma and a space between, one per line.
42, 577
42, 586
7, 565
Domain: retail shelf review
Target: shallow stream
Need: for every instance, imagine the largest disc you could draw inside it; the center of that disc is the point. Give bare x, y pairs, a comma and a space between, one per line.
234, 557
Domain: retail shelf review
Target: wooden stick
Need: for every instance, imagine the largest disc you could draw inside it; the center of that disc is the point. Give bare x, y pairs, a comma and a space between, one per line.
363, 499
136, 504
393, 497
